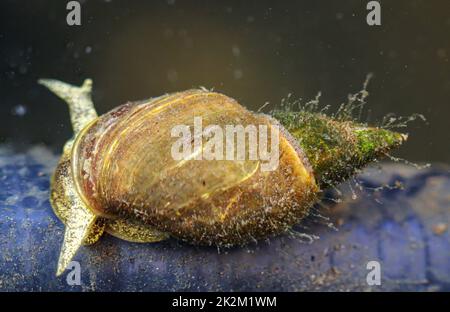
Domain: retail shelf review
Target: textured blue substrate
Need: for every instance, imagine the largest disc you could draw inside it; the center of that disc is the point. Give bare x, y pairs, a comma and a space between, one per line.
398, 228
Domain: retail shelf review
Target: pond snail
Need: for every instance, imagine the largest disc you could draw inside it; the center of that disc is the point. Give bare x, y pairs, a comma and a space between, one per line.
116, 174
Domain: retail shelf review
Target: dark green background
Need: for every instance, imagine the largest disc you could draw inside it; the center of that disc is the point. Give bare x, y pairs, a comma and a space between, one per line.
138, 49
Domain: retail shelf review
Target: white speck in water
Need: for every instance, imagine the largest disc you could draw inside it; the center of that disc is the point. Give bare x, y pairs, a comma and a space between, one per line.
236, 51
172, 75
88, 49
441, 53
23, 69
237, 74
339, 15
168, 33
170, 2
19, 110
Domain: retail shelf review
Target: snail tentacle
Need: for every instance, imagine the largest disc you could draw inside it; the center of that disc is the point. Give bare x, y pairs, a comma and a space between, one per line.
82, 226
79, 99
77, 231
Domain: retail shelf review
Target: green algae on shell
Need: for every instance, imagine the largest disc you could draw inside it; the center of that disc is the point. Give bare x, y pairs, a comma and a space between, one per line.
337, 149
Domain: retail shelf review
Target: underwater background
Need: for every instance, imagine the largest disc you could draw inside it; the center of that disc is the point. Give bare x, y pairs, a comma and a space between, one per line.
254, 51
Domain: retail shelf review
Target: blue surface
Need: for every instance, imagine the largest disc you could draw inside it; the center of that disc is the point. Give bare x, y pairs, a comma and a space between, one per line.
396, 227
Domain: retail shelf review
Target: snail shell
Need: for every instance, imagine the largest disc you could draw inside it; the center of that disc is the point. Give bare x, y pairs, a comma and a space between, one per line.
123, 169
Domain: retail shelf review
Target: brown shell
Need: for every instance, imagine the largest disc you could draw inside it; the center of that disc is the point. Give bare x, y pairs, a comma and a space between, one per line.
123, 168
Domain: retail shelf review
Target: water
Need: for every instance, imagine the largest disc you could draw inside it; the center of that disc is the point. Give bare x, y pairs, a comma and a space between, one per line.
254, 51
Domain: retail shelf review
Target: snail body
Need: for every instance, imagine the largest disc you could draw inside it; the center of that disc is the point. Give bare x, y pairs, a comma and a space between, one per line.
118, 175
